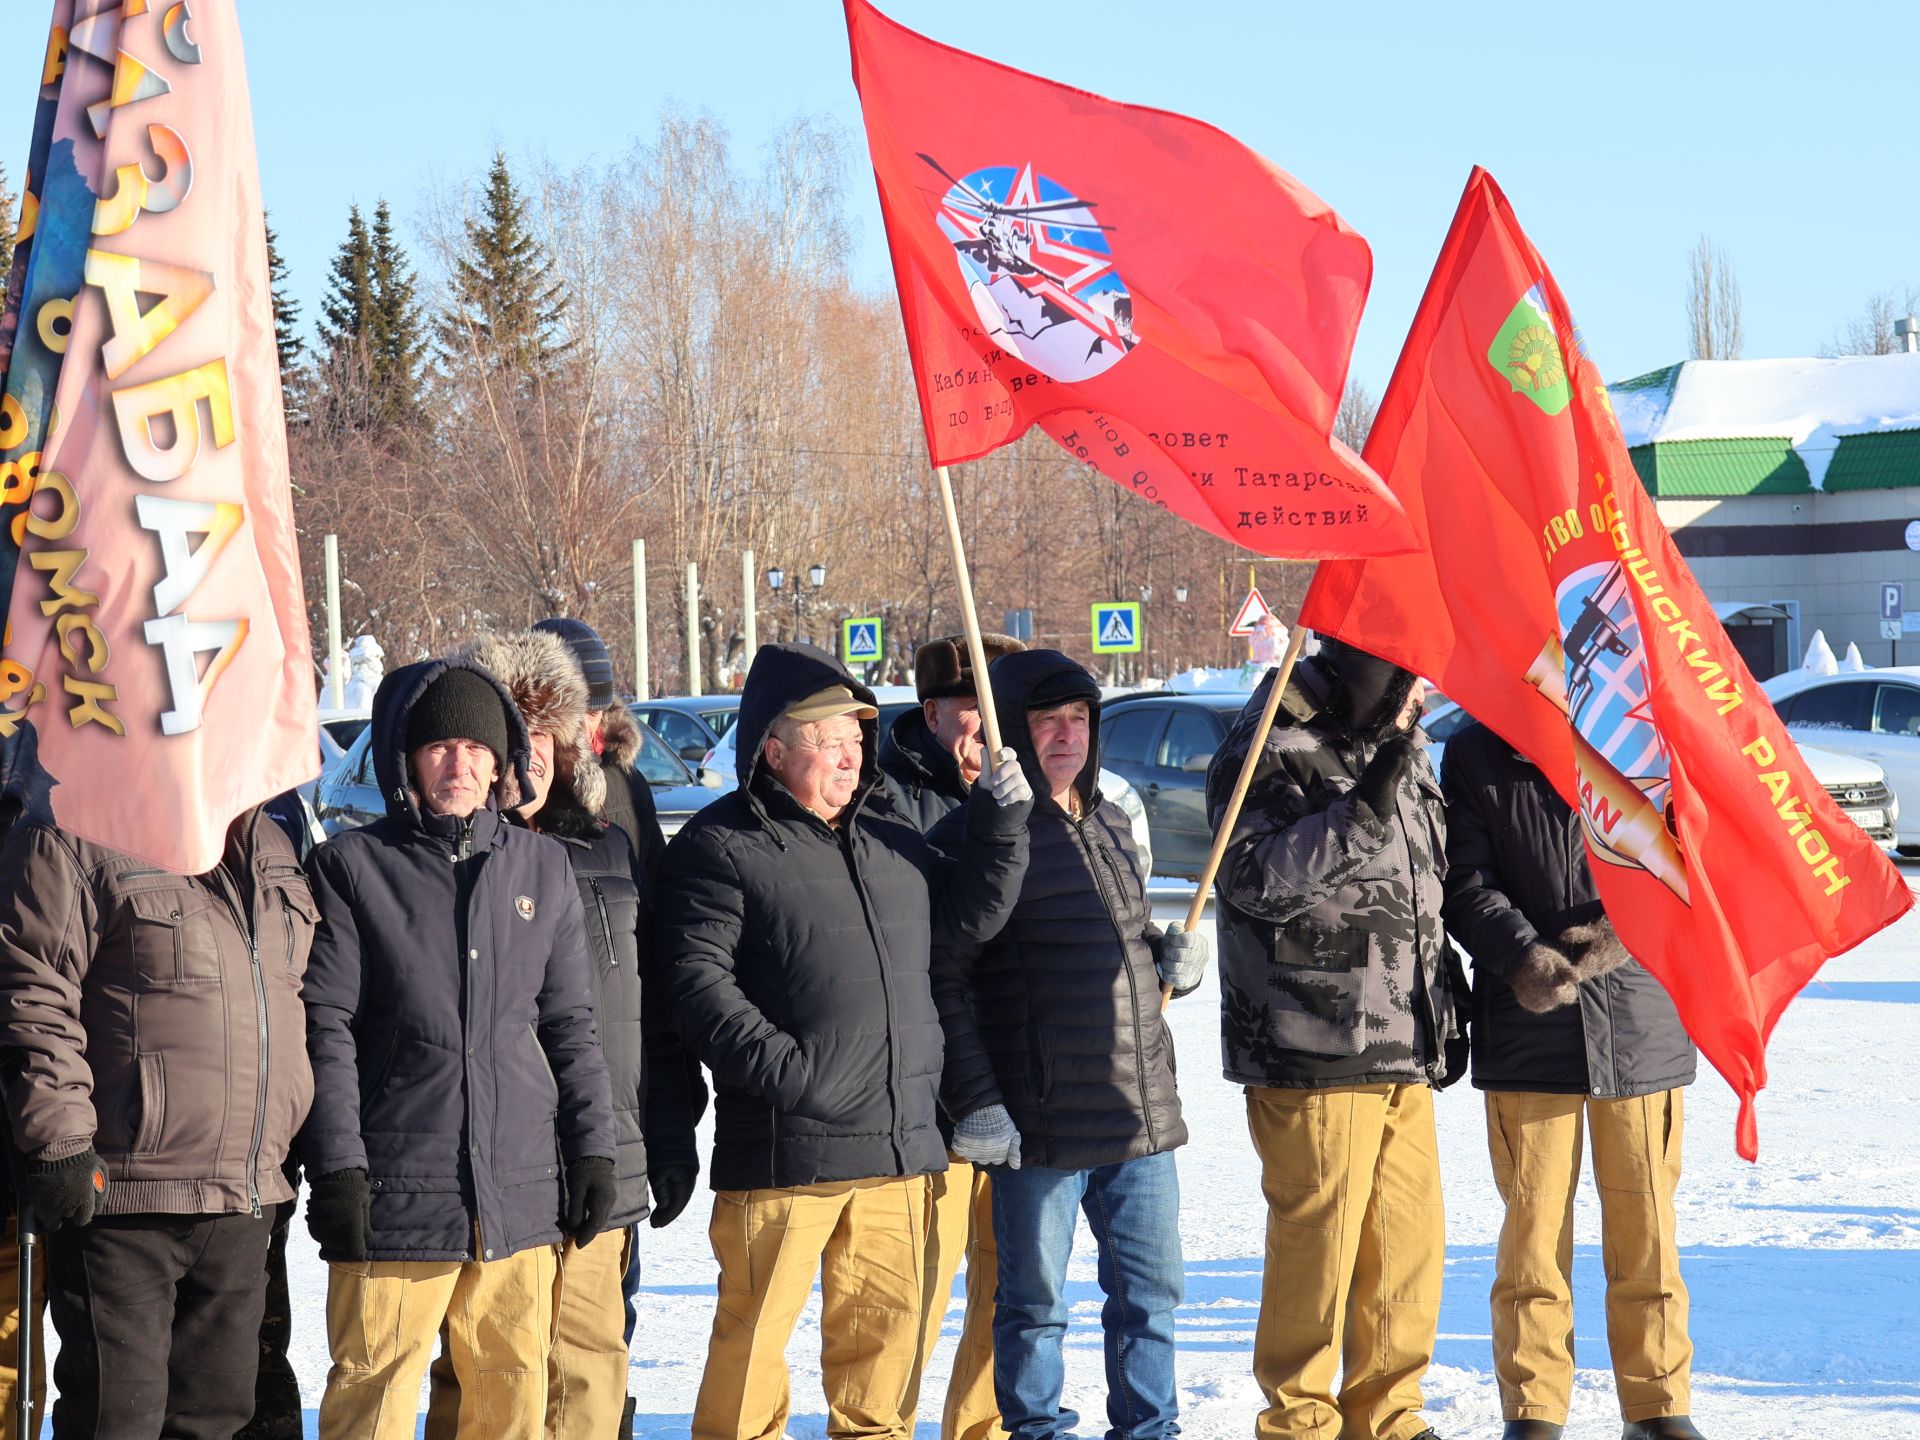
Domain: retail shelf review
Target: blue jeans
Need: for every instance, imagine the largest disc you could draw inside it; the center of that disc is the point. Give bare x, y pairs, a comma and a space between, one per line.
1133, 1209
630, 1282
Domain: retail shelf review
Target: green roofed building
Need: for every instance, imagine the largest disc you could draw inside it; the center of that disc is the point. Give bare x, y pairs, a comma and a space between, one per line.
1793, 489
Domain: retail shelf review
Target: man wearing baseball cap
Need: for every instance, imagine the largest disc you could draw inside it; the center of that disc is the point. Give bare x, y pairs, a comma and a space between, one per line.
797, 916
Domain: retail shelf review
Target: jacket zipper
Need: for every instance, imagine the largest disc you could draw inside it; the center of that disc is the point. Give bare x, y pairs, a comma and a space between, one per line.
606, 924
265, 1043
1126, 964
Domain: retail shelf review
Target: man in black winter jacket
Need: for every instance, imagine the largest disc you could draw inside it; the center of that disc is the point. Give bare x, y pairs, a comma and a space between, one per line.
796, 916
462, 1121
1060, 1071
1337, 1014
1567, 1028
931, 757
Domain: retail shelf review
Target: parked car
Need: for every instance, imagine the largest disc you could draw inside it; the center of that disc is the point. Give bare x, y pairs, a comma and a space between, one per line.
720, 769
1873, 715
1162, 743
349, 795
690, 724
1859, 786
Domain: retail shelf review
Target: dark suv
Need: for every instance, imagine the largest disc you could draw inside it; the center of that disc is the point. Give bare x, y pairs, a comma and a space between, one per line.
1162, 744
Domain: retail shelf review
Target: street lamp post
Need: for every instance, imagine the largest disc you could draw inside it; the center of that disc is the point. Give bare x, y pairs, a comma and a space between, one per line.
777, 579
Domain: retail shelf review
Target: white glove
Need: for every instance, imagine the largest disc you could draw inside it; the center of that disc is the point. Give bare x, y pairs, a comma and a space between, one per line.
1007, 782
1183, 958
988, 1137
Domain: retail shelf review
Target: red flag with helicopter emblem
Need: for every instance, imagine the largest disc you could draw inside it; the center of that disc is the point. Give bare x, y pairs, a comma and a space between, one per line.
1171, 308
1550, 601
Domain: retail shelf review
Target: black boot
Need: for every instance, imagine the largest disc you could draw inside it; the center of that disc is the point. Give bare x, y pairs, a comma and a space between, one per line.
1666, 1427
626, 1421
1532, 1430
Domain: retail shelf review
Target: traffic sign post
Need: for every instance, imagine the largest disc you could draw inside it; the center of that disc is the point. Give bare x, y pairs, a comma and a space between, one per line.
860, 640
1116, 627
1893, 605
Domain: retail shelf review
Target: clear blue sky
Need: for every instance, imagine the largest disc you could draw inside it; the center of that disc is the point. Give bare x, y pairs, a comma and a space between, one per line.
1621, 133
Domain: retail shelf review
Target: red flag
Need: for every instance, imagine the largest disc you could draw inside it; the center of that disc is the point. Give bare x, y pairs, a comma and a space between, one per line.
157, 634
1551, 603
1172, 309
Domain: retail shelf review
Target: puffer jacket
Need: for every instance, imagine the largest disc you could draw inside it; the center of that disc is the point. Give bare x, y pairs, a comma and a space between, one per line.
450, 1014
1334, 966
658, 1095
919, 771
1057, 1014
797, 956
157, 1015
1517, 874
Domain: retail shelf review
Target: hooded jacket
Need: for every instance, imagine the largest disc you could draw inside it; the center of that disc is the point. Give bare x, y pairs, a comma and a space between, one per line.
797, 955
628, 802
450, 1014
919, 771
1334, 967
658, 1095
154, 1015
1517, 875
1056, 1014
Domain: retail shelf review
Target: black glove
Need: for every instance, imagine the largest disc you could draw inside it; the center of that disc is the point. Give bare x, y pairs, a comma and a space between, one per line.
1381, 779
340, 1214
672, 1189
66, 1192
591, 1194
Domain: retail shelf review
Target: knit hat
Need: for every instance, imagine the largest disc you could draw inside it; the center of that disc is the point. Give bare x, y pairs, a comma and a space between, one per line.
460, 705
1063, 688
590, 652
944, 667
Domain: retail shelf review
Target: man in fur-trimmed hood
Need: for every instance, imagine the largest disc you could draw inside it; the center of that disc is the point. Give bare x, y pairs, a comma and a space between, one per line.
657, 1094
1338, 1015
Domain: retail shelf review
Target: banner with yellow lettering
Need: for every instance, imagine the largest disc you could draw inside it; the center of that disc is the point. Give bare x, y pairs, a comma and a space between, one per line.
156, 630
1549, 600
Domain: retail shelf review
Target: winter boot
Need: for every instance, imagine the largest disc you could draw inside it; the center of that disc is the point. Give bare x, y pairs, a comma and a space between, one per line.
1666, 1427
1532, 1430
626, 1421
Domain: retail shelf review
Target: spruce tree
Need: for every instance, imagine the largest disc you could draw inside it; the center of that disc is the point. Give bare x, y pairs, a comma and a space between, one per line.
286, 320
399, 335
506, 303
349, 311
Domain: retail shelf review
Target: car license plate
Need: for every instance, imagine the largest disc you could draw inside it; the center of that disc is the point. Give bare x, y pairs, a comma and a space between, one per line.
1868, 819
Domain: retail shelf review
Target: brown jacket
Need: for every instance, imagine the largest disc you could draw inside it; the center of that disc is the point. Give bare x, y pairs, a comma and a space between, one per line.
139, 1012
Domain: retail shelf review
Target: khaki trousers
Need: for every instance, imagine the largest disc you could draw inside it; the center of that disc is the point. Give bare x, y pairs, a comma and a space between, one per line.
10, 1329
961, 1207
587, 1371
384, 1316
1535, 1143
1356, 1242
866, 1239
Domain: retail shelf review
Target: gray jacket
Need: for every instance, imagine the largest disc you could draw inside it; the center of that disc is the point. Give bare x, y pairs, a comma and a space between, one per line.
1334, 967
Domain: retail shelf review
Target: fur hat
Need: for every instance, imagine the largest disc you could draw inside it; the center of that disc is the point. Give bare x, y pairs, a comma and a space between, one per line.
540, 672
943, 667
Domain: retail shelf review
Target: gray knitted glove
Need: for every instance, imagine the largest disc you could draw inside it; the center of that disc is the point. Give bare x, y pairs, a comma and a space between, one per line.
1183, 958
988, 1137
1007, 782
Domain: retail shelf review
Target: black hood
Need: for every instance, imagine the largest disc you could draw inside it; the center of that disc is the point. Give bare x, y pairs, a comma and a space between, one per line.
910, 744
781, 676
1016, 679
393, 706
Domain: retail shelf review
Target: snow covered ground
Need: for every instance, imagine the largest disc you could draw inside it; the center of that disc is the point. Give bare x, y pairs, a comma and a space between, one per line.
1804, 1268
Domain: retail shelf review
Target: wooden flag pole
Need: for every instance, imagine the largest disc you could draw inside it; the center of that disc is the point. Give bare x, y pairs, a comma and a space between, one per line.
1240, 787
976, 651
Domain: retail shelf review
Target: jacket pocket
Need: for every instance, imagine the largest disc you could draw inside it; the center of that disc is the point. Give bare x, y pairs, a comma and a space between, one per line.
370, 1085
152, 1093
174, 934
296, 921
1317, 990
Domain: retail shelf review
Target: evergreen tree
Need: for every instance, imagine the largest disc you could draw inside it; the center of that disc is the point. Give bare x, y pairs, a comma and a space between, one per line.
349, 312
506, 303
286, 320
400, 343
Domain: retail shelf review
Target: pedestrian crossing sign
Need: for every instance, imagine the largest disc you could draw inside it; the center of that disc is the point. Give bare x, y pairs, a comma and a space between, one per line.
1116, 627
860, 640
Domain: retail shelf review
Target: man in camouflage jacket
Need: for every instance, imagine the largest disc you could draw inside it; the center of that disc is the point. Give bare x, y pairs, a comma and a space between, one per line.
1338, 1015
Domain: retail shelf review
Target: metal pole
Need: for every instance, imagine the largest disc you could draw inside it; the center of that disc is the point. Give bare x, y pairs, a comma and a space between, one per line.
749, 619
29, 1229
642, 680
694, 687
335, 680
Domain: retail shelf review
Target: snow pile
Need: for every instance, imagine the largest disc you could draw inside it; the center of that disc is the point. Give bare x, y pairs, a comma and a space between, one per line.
1812, 404
1855, 661
1820, 656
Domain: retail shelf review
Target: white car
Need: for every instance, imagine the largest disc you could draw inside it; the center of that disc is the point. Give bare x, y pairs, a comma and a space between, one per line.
1872, 715
720, 768
1858, 786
